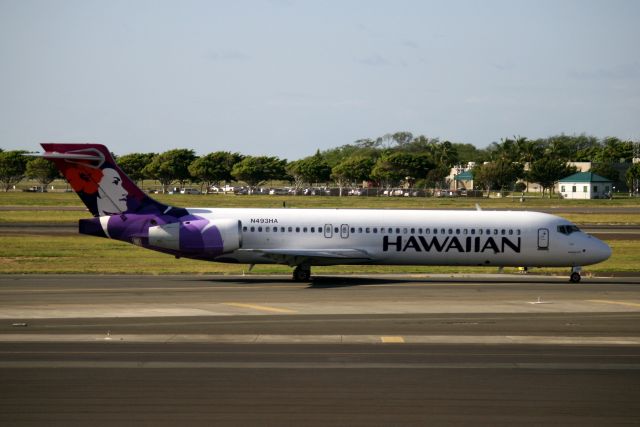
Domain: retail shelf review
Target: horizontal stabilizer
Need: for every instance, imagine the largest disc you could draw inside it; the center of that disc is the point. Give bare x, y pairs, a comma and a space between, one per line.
65, 156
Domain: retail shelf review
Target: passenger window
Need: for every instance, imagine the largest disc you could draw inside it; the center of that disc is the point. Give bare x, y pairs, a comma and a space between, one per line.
518, 231
419, 230
405, 231
244, 228
510, 232
427, 231
267, 229
375, 230
297, 229
253, 229
465, 231
413, 231
442, 231
304, 230
353, 230
495, 231
336, 230
290, 229
368, 230
450, 231
473, 231
457, 231
503, 231
275, 229
435, 231
397, 231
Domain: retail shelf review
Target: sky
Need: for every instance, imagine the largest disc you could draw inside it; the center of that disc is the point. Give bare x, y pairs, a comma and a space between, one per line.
286, 77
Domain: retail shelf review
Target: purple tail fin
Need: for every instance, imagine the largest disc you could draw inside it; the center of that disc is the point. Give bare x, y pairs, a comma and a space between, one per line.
103, 187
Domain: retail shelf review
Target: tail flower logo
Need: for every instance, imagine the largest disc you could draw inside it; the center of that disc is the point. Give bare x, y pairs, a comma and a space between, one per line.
84, 178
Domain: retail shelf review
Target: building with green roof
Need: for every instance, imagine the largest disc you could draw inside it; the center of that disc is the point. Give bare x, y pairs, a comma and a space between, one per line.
585, 185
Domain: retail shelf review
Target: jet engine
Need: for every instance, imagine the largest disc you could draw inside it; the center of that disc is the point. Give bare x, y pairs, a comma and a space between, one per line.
199, 236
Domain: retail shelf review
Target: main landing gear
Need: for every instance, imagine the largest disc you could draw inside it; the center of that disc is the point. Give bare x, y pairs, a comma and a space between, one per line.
575, 275
302, 273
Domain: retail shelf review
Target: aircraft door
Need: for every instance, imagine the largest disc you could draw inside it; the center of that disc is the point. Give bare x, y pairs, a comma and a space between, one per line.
543, 238
328, 231
344, 231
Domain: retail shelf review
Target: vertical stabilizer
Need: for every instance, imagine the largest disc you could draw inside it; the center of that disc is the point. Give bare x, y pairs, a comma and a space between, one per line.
103, 187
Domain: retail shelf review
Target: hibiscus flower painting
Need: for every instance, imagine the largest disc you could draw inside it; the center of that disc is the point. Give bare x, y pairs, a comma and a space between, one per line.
83, 178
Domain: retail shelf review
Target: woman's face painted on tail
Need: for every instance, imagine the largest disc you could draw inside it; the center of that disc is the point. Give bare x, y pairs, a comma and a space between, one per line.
112, 197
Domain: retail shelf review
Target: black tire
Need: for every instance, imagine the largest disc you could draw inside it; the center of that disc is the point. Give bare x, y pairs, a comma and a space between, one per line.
575, 278
301, 274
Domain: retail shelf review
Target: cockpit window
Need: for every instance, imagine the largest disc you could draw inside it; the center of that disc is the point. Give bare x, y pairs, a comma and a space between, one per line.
568, 229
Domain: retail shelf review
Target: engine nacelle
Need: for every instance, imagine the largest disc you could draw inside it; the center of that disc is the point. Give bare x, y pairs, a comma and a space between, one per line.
200, 236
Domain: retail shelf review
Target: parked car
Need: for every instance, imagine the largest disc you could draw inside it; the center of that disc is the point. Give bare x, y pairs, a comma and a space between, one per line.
278, 192
189, 191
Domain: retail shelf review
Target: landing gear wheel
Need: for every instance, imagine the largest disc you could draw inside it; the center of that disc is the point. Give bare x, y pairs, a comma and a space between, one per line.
302, 273
575, 277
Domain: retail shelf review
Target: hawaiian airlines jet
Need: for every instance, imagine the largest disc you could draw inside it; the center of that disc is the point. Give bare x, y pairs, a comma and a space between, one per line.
302, 238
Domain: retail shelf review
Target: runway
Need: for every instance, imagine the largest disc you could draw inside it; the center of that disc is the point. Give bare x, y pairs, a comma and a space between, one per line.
379, 350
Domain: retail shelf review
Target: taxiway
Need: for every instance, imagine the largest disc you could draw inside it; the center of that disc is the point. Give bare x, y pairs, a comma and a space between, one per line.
379, 350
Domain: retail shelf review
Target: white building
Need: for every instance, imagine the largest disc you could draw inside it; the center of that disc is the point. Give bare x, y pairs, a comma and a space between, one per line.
585, 185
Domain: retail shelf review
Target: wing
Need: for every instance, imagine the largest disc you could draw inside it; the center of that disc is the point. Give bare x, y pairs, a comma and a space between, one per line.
294, 257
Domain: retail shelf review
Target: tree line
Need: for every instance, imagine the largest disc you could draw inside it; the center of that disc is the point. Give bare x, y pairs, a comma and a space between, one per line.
388, 161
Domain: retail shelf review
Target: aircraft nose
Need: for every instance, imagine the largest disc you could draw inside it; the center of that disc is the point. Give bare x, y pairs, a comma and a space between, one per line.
601, 251
606, 251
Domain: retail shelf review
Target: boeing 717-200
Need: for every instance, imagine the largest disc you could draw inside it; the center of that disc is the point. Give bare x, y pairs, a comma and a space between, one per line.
302, 238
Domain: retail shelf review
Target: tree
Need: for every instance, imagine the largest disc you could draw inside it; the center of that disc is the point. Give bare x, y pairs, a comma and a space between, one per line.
357, 168
362, 147
310, 169
606, 170
394, 167
632, 178
295, 171
614, 150
214, 167
402, 138
435, 177
499, 175
13, 165
469, 153
255, 169
133, 165
547, 172
42, 170
172, 165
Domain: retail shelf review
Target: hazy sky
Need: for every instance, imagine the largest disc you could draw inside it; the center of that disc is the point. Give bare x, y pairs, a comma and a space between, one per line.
286, 77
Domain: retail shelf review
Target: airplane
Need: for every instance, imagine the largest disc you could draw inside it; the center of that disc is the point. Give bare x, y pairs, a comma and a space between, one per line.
302, 238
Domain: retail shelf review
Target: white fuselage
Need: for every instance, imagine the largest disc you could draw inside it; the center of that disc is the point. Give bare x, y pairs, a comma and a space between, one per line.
412, 237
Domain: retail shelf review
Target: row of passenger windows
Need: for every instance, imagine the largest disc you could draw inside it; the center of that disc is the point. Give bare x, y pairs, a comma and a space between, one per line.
385, 230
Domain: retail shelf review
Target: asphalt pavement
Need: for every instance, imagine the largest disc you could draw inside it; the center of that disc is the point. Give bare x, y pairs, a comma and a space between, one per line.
261, 350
